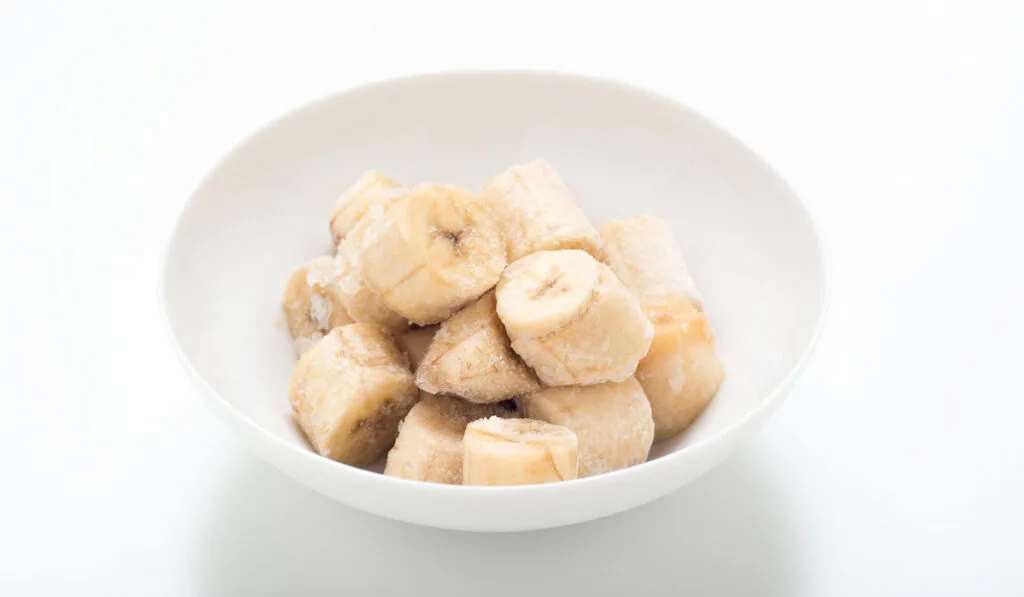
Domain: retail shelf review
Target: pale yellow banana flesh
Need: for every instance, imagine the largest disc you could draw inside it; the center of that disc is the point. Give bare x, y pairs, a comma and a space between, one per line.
681, 373
434, 251
537, 212
429, 444
643, 253
312, 302
415, 343
612, 421
349, 392
471, 357
518, 452
571, 319
371, 189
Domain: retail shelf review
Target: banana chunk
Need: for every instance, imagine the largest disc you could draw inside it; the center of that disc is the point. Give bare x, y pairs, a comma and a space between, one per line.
537, 212
349, 392
362, 303
432, 252
312, 302
517, 452
429, 444
571, 319
415, 344
612, 420
681, 373
371, 189
644, 254
470, 357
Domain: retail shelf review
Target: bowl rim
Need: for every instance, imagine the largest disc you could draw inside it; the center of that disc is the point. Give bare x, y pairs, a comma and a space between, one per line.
236, 419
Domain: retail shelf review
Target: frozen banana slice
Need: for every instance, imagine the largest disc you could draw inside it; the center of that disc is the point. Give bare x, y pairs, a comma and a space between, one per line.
371, 189
415, 343
312, 302
429, 445
612, 421
644, 254
470, 357
571, 319
680, 373
537, 212
349, 391
517, 452
435, 250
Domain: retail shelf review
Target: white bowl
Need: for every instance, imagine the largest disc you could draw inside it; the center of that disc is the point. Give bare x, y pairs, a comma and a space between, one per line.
623, 151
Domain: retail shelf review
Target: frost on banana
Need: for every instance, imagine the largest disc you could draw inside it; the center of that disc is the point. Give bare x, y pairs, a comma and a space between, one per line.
371, 189
435, 250
518, 452
644, 254
415, 344
312, 302
537, 212
349, 392
680, 373
429, 445
362, 303
571, 319
612, 421
470, 357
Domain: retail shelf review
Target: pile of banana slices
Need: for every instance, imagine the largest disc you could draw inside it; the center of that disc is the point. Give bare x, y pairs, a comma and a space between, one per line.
495, 338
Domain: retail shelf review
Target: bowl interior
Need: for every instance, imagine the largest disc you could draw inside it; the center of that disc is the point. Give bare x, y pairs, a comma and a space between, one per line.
263, 210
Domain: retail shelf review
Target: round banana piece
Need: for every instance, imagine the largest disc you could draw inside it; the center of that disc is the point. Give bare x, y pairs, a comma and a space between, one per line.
681, 373
432, 252
612, 421
517, 452
349, 392
571, 319
537, 212
415, 344
371, 188
644, 254
362, 303
312, 302
470, 357
429, 444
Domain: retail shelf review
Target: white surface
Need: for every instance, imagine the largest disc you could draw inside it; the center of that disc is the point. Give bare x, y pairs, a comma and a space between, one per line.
261, 211
896, 467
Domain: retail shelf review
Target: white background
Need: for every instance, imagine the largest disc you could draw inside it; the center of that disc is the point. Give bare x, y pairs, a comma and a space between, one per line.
896, 467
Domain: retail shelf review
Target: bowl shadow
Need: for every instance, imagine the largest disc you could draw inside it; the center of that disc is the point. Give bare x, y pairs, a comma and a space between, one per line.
724, 534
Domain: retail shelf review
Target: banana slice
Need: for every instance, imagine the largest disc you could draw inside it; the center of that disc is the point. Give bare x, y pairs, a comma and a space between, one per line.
371, 188
571, 319
537, 212
362, 303
415, 344
470, 357
681, 373
517, 452
612, 421
349, 391
312, 302
644, 254
429, 445
435, 250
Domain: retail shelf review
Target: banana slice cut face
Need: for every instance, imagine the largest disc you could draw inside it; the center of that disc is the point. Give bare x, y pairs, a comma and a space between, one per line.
571, 319
518, 452
371, 189
471, 357
312, 302
429, 444
349, 392
612, 421
537, 212
435, 250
